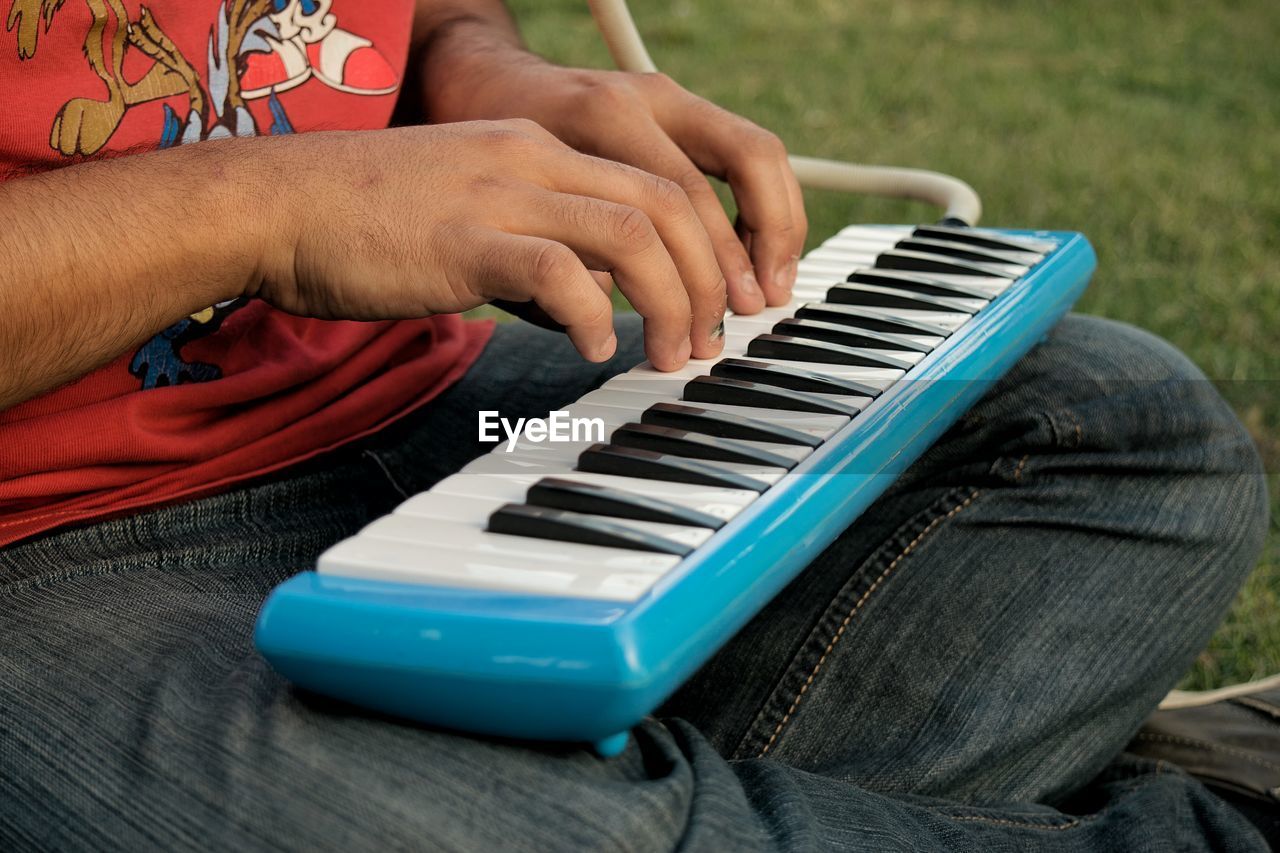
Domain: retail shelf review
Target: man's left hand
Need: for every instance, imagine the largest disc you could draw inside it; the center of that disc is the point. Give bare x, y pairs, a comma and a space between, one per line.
649, 121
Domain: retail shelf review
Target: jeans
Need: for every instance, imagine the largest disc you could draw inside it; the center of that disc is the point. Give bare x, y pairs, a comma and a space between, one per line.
961, 669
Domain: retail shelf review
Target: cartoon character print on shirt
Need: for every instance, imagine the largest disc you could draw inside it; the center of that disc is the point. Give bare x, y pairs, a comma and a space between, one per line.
256, 49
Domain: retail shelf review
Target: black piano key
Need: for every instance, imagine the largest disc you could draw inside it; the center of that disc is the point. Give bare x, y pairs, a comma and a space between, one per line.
793, 378
967, 252
852, 315
916, 282
695, 445
540, 522
602, 500
872, 296
648, 465
739, 392
820, 352
725, 425
847, 335
958, 234
902, 259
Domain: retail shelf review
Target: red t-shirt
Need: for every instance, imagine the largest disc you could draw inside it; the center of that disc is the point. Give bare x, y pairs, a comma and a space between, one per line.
240, 389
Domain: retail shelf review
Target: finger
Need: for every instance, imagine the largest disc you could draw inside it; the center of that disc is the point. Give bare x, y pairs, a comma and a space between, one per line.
759, 187
754, 162
623, 240
648, 147
664, 205
799, 219
604, 280
517, 268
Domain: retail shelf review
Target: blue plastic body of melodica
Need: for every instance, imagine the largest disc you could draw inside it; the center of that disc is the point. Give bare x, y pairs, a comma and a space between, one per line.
570, 669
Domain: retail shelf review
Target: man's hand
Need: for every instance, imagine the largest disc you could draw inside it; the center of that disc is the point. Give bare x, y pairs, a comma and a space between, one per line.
474, 71
384, 224
435, 219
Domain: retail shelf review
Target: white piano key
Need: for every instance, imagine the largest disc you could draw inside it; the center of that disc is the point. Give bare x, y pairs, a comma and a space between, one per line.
632, 401
602, 573
840, 246
694, 367
564, 453
670, 388
721, 503
866, 244
476, 512
741, 323
471, 536
469, 487
457, 508
780, 312
888, 233
880, 377
840, 268
814, 282
512, 464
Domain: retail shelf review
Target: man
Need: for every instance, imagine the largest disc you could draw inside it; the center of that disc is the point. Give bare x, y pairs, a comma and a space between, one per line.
187, 421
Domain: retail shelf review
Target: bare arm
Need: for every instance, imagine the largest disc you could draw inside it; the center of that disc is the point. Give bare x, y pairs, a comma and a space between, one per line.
96, 258
398, 223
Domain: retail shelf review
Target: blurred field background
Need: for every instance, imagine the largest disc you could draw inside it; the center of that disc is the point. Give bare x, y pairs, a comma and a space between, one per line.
1151, 125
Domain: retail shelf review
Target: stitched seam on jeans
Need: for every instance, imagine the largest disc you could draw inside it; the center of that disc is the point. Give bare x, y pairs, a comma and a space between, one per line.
929, 528
1211, 747
1017, 472
1056, 827
1076, 428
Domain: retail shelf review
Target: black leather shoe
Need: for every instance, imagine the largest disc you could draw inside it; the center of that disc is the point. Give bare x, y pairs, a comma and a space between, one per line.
1229, 739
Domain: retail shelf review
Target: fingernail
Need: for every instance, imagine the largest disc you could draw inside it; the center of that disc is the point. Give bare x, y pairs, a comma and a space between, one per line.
608, 348
787, 275
718, 332
749, 284
686, 350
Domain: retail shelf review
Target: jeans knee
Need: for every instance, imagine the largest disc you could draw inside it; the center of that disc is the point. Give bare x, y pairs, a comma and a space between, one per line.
1118, 400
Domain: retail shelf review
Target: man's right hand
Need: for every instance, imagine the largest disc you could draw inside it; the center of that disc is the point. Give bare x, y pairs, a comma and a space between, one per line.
421, 220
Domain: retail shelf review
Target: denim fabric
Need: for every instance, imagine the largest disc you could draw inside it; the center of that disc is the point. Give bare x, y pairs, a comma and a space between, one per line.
960, 670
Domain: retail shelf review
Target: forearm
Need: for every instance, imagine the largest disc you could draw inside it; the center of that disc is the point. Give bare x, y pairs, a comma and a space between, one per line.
98, 257
456, 42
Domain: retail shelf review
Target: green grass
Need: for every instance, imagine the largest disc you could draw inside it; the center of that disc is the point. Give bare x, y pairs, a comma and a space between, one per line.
1152, 125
